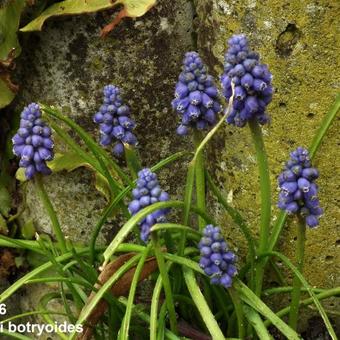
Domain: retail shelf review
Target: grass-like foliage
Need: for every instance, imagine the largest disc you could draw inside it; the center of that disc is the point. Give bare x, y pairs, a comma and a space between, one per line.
188, 294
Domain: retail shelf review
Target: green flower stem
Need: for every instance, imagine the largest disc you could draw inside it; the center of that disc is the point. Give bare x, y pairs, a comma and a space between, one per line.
51, 212
265, 200
187, 203
300, 250
102, 157
165, 281
200, 180
192, 167
238, 307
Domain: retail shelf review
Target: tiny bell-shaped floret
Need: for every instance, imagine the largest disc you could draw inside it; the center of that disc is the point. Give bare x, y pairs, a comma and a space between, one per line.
216, 260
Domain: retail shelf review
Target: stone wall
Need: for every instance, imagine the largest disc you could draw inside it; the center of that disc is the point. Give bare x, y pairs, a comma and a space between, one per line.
67, 65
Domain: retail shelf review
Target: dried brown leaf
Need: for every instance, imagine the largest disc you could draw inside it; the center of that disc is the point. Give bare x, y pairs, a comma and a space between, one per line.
120, 288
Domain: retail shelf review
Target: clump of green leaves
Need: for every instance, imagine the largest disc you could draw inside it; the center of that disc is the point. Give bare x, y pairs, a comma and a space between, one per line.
102, 282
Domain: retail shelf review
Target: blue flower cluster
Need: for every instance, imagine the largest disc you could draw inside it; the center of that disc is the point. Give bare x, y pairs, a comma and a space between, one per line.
216, 260
252, 80
33, 142
146, 193
115, 122
298, 192
196, 96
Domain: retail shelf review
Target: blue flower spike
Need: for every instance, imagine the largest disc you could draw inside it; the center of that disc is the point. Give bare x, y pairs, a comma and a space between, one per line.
114, 121
216, 260
146, 193
298, 191
33, 142
196, 96
252, 81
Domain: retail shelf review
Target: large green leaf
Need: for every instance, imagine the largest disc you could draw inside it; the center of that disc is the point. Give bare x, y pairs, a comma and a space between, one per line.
71, 161
68, 161
9, 47
132, 8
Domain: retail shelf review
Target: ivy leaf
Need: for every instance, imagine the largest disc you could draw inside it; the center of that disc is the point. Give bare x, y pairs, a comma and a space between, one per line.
70, 161
102, 185
132, 8
9, 47
67, 161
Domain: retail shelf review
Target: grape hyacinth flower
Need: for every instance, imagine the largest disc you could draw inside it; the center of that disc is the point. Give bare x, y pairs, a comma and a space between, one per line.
252, 80
33, 142
146, 193
114, 121
216, 260
196, 96
298, 192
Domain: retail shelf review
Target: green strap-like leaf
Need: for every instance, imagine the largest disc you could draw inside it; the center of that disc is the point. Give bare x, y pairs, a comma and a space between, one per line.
44, 267
202, 305
124, 330
249, 297
309, 289
255, 320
